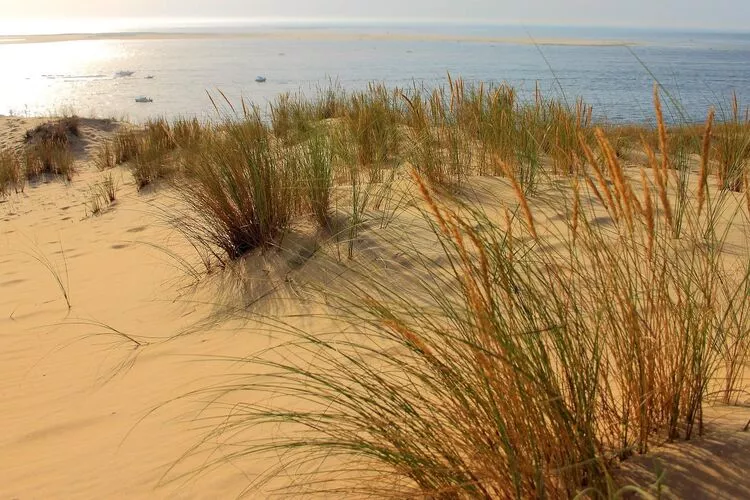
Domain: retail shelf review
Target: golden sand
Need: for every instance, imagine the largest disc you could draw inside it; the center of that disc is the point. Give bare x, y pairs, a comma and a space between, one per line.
86, 412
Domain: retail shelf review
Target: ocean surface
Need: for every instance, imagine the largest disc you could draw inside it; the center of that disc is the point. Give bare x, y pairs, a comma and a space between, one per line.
175, 63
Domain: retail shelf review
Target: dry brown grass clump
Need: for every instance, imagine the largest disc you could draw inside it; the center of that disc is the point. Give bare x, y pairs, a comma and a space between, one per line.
56, 132
292, 118
104, 158
125, 145
188, 133
48, 148
49, 158
152, 162
11, 173
102, 195
370, 136
240, 188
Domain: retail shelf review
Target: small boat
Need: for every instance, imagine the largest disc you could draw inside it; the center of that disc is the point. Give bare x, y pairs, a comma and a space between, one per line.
150, 77
121, 74
143, 99
260, 79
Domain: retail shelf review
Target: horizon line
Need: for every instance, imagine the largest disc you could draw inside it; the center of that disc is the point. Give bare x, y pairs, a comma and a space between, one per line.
208, 21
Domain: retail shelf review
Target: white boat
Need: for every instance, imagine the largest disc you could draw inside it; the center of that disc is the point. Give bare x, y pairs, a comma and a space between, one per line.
121, 74
143, 99
260, 79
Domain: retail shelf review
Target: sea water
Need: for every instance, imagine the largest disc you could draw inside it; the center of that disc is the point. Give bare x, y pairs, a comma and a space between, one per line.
612, 69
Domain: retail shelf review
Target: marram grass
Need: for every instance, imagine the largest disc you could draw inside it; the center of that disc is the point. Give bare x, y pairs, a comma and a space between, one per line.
497, 356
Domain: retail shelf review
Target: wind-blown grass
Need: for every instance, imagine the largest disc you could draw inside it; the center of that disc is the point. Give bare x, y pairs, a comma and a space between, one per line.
510, 348
498, 356
733, 146
317, 164
240, 190
105, 157
152, 161
125, 145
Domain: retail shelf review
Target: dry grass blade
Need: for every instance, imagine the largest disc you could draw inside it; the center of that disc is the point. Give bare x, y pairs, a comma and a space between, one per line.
705, 159
662, 128
62, 283
523, 201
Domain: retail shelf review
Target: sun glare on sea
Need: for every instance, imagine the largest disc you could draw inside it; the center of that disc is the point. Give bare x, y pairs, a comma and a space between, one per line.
35, 71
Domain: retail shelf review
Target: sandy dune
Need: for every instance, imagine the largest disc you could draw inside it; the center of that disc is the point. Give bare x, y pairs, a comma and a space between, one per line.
90, 397
70, 396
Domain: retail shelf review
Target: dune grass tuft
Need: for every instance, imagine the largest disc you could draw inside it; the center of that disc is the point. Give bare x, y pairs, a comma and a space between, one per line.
733, 146
11, 173
125, 145
317, 169
153, 160
240, 190
49, 158
56, 131
102, 195
496, 356
105, 157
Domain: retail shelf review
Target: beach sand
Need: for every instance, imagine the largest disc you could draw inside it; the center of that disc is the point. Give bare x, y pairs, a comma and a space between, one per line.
92, 398
75, 396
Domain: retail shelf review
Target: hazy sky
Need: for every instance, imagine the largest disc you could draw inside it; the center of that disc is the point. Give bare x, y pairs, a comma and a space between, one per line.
708, 14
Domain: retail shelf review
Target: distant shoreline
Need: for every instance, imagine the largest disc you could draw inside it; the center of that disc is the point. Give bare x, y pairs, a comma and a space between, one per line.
312, 35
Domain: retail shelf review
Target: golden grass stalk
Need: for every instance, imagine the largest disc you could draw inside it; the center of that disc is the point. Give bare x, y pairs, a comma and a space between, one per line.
105, 157
622, 189
648, 214
508, 231
662, 128
576, 208
610, 204
428, 198
521, 197
661, 186
705, 158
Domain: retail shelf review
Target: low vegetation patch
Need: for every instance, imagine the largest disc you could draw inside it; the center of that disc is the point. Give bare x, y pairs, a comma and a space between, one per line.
125, 145
240, 189
57, 131
48, 148
102, 195
152, 162
105, 158
11, 173
514, 349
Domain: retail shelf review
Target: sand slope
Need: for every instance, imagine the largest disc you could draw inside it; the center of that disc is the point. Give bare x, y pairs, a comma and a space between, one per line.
90, 398
70, 395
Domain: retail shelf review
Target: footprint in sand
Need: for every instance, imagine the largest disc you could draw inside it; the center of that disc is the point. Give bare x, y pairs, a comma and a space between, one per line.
11, 282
